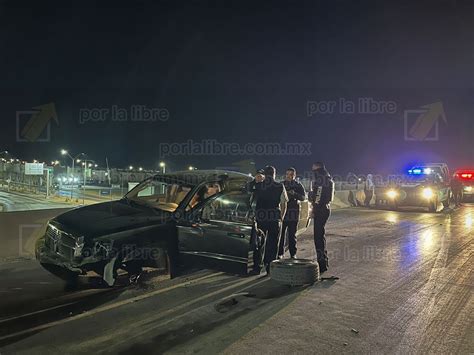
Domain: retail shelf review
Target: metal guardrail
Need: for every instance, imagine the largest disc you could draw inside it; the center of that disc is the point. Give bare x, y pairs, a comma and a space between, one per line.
22, 187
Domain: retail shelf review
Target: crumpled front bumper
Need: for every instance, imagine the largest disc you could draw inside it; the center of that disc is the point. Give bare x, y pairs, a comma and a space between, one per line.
76, 265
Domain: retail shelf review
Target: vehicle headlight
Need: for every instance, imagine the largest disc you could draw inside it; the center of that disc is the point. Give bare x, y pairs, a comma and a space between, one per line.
428, 193
78, 247
392, 194
468, 188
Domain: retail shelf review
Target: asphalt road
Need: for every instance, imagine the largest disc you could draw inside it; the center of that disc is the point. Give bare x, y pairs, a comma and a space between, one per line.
406, 286
13, 201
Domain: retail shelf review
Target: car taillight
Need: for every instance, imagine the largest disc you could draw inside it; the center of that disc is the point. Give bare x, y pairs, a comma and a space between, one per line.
465, 175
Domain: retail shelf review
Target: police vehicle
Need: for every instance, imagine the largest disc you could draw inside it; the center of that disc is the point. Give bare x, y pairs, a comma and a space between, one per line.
466, 178
425, 185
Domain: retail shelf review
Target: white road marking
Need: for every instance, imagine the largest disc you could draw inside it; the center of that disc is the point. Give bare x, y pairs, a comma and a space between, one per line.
125, 334
106, 308
36, 312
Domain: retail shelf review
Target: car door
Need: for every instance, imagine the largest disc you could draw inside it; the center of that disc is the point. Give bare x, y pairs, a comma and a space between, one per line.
217, 234
443, 188
305, 215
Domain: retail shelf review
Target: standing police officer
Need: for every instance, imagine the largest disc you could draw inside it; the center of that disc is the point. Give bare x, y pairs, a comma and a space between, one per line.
296, 192
270, 208
321, 197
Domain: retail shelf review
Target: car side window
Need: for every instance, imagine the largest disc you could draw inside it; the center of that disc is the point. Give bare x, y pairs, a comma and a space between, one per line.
205, 192
232, 207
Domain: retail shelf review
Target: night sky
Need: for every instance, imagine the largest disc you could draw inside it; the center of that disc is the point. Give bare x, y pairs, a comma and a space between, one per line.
238, 72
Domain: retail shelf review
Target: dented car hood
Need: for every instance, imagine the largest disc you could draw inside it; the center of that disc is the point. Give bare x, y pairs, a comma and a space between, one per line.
109, 217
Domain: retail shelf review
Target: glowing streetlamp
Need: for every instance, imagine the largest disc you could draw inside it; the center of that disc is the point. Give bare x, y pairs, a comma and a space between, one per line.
163, 167
73, 159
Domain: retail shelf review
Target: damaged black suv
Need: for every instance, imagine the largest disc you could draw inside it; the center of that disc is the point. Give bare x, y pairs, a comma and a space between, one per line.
173, 221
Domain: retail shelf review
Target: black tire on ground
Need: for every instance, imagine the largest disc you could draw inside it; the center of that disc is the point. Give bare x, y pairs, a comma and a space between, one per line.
433, 207
294, 272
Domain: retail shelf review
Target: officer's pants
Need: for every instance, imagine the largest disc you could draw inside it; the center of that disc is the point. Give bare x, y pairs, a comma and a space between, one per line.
321, 216
272, 232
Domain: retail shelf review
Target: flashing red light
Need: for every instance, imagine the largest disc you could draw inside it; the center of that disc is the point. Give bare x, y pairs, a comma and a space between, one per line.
465, 175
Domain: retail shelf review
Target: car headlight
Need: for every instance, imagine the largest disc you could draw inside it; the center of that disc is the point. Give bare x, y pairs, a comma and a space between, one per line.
468, 188
78, 247
428, 193
392, 194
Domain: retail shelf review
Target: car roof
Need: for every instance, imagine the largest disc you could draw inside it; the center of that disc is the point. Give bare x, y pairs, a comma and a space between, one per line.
196, 177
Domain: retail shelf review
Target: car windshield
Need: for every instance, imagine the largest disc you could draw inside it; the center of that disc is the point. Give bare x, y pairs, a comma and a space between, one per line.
423, 178
159, 194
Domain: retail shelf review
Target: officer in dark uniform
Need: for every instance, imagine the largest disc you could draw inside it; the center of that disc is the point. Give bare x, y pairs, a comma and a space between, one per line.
321, 196
296, 193
271, 199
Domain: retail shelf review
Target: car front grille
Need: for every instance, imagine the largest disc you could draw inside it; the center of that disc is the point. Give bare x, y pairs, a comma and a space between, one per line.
60, 242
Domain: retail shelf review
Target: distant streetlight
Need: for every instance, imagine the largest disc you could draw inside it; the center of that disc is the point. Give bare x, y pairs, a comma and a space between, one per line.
191, 168
130, 167
163, 167
73, 159
140, 169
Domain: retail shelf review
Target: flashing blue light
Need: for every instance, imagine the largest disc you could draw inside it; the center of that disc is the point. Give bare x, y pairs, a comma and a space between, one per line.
420, 171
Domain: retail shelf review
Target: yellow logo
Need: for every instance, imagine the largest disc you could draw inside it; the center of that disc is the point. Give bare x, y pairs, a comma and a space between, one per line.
35, 125
423, 124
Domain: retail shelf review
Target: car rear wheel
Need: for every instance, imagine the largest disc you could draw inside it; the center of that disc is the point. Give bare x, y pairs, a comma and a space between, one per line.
295, 272
447, 202
433, 206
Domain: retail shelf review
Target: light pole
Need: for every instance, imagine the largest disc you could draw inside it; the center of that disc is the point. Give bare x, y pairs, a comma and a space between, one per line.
84, 164
163, 167
65, 152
